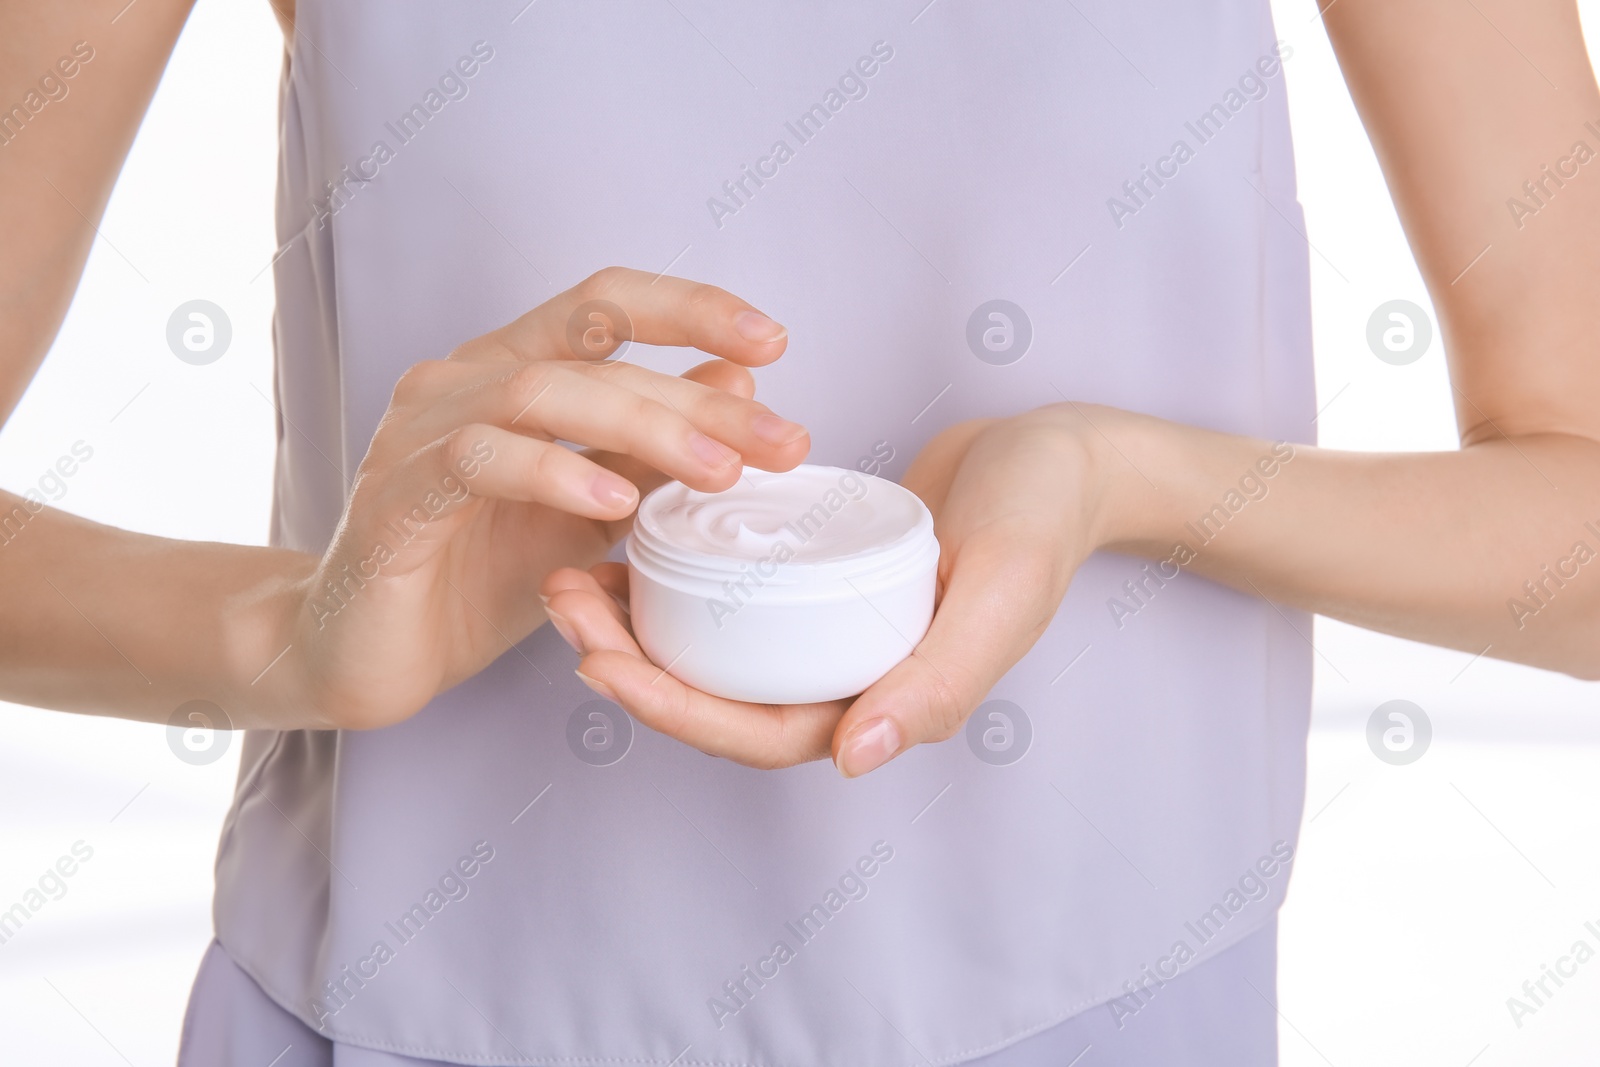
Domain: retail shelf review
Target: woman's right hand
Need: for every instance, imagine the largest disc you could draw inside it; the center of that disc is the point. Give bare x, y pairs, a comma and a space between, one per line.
466, 500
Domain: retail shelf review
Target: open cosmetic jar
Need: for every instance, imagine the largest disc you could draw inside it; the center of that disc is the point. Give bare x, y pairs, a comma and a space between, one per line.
785, 589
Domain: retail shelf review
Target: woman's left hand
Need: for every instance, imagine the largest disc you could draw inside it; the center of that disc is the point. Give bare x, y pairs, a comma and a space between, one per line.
1016, 503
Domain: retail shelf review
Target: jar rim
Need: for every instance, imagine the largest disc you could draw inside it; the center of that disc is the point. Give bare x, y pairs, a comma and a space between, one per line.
883, 563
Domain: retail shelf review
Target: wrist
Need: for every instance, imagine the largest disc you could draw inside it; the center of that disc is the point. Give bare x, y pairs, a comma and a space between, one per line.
263, 642
1100, 442
1165, 489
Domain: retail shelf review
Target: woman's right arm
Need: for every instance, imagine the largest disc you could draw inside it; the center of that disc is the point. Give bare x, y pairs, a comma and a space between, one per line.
466, 465
75, 82
465, 500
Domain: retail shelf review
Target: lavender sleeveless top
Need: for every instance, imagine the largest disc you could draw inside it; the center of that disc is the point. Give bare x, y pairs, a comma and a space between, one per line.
958, 210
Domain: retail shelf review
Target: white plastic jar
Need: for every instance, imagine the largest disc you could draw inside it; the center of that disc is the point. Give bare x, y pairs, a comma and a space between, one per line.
785, 589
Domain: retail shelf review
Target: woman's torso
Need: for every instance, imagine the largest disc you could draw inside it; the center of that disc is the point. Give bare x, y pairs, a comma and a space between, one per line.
1019, 152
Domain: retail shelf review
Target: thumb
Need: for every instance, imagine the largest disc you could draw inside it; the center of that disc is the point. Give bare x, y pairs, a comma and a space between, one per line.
999, 598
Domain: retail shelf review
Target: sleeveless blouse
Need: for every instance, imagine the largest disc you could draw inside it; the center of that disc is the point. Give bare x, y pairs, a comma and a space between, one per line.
958, 210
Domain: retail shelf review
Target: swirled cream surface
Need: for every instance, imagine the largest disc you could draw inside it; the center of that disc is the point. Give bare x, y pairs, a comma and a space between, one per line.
812, 514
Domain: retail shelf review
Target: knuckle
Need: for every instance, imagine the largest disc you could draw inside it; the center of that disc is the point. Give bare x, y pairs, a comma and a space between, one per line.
546, 465
529, 378
417, 382
703, 296
601, 283
458, 446
794, 740
763, 741
529, 382
468, 350
648, 413
945, 702
365, 488
645, 422
671, 712
493, 347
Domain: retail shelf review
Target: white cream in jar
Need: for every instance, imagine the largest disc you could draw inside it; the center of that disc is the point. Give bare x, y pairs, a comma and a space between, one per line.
785, 589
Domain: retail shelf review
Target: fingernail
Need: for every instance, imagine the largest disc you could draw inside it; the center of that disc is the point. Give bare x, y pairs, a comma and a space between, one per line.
612, 490
776, 431
872, 745
564, 628
711, 453
598, 686
754, 326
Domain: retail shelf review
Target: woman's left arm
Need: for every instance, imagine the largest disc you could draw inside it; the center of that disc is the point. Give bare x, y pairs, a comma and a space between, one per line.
1465, 104
1494, 548
1486, 549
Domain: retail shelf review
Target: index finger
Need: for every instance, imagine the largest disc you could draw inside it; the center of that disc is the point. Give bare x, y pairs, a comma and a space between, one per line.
614, 306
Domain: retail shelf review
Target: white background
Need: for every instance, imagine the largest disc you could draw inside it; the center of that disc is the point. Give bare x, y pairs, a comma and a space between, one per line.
1423, 896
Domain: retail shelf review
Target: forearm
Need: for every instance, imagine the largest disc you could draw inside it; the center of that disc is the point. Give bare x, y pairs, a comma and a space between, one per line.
1488, 547
74, 85
104, 621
